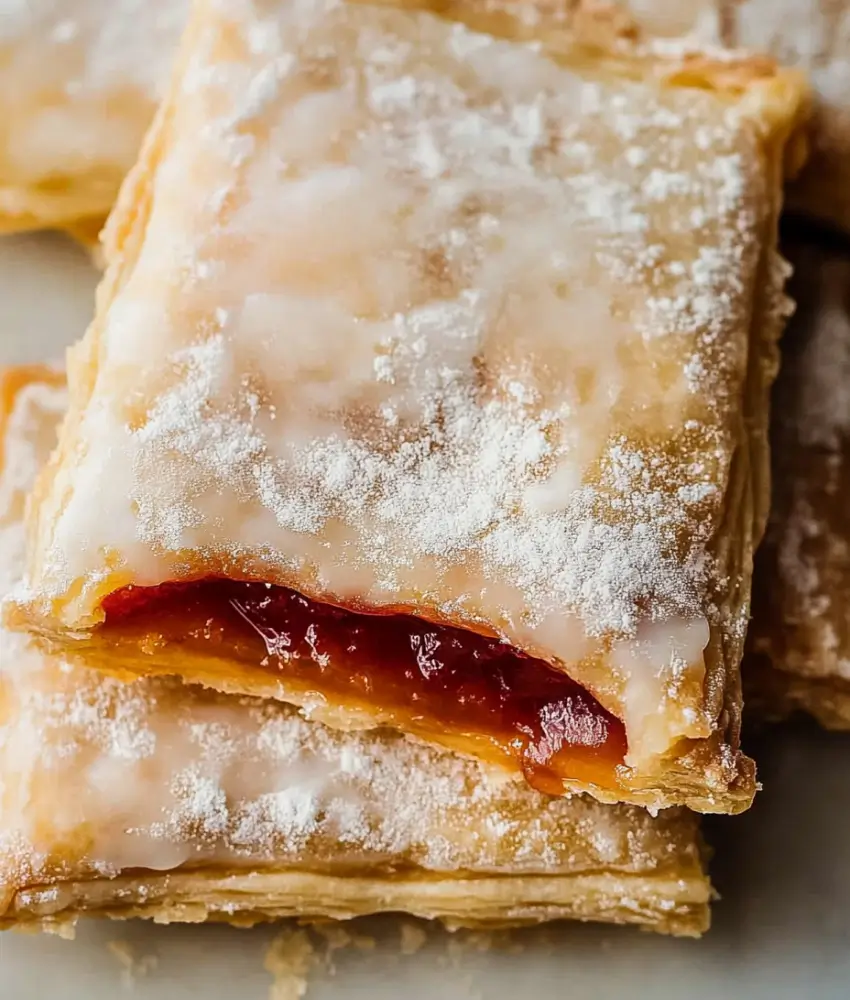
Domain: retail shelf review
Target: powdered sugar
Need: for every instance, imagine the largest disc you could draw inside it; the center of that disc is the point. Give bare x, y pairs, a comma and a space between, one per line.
813, 35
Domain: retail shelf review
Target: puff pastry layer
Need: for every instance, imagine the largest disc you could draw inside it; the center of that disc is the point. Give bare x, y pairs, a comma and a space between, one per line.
813, 35
79, 83
800, 637
175, 802
469, 320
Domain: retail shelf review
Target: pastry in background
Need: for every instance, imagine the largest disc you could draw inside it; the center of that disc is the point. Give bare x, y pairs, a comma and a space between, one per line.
813, 35
800, 636
161, 800
79, 83
427, 389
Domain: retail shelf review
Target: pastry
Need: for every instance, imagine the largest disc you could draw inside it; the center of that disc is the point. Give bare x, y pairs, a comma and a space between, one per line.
427, 389
811, 34
178, 803
800, 636
79, 82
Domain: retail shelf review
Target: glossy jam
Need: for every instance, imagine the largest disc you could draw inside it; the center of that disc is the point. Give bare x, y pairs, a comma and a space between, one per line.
446, 685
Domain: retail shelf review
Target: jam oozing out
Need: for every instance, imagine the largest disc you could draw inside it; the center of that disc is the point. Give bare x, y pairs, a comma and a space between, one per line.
445, 685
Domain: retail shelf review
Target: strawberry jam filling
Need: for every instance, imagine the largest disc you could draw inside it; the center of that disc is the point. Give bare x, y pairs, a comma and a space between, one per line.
448, 686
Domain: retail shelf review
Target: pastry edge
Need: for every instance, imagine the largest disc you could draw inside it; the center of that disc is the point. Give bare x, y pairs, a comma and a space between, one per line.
666, 904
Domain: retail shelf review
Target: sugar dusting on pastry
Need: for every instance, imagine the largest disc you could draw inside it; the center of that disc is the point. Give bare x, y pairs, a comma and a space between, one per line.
813, 36
79, 83
109, 43
155, 775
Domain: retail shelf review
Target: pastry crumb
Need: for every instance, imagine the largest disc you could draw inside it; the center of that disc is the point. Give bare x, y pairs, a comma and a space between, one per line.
289, 959
413, 938
65, 929
300, 951
461, 943
133, 966
336, 936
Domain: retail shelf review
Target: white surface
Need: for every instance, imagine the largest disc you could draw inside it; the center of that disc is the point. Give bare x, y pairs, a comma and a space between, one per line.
781, 931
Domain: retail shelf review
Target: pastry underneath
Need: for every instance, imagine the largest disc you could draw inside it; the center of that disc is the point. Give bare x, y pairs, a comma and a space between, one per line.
799, 642
157, 800
179, 803
79, 83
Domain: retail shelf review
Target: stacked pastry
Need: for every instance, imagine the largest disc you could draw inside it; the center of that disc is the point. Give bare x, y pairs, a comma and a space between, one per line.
396, 550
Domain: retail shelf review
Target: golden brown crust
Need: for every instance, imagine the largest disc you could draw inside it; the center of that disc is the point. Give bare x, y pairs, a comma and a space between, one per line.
812, 36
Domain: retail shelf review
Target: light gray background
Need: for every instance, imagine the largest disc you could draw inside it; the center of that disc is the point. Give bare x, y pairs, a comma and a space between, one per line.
781, 930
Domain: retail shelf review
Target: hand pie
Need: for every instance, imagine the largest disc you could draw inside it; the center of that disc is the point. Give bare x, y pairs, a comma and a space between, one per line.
79, 82
814, 36
174, 802
427, 389
800, 636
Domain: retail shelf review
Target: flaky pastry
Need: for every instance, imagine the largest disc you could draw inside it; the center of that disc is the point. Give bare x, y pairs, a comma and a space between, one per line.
427, 389
79, 83
178, 803
800, 636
